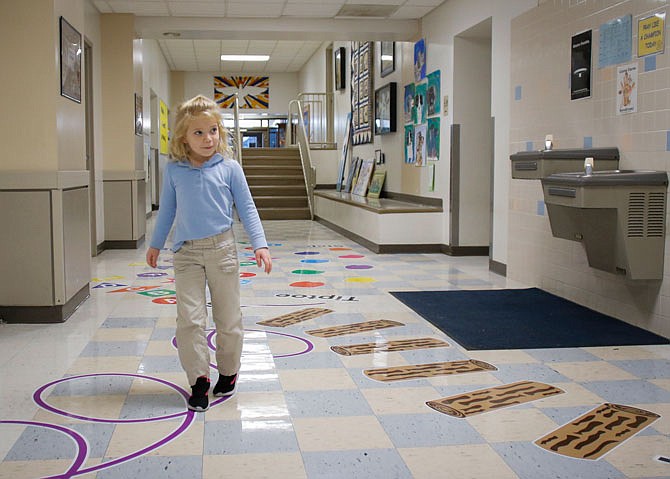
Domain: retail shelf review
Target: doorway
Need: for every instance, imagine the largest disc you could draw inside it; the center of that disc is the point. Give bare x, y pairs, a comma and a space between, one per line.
470, 204
90, 151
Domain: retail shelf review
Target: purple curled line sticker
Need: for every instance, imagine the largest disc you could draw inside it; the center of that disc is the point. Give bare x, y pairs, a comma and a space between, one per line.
189, 417
309, 344
80, 441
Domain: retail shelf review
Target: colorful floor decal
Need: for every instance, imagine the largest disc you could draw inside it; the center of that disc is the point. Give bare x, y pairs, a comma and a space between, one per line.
307, 271
361, 279
351, 256
597, 432
484, 400
402, 373
295, 317
307, 284
358, 266
353, 328
389, 346
314, 261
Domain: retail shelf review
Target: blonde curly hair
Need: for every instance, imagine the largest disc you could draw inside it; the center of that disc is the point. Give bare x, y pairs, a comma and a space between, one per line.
188, 111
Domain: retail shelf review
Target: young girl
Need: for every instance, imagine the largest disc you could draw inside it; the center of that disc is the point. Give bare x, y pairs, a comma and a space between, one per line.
201, 183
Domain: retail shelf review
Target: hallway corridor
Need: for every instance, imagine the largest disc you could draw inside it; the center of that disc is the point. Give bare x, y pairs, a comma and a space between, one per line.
103, 395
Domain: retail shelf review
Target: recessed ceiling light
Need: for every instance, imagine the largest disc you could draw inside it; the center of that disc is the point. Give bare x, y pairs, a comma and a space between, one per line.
172, 34
245, 58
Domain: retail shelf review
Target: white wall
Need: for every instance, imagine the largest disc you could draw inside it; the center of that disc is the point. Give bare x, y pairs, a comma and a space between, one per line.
540, 65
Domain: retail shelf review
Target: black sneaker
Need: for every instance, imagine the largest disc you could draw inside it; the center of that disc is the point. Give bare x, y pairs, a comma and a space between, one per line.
199, 401
226, 385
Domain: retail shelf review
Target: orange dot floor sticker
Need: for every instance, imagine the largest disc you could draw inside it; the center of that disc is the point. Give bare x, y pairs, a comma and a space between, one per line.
354, 328
307, 284
415, 371
598, 431
484, 400
295, 317
390, 346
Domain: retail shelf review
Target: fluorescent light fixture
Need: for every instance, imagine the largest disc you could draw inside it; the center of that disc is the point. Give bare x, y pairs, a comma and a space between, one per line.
245, 58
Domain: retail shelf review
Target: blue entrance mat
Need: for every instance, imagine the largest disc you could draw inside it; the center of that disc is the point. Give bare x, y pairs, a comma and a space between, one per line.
521, 319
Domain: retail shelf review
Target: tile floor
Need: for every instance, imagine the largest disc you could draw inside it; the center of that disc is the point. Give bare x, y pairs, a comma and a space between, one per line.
103, 395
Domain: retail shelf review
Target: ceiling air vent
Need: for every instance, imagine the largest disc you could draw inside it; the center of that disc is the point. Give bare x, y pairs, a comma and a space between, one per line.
367, 11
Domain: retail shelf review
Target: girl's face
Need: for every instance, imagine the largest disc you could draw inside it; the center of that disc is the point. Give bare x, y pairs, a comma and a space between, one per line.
202, 137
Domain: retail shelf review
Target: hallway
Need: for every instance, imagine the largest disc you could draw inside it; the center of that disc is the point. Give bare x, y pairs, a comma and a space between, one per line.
109, 393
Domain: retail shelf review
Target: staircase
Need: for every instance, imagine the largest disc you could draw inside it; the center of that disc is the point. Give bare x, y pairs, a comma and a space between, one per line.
276, 182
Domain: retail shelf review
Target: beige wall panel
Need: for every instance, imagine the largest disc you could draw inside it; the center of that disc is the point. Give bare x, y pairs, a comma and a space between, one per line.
140, 209
118, 210
76, 241
25, 256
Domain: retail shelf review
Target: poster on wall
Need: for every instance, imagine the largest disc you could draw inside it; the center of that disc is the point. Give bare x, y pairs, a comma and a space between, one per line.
433, 139
651, 35
420, 103
419, 60
408, 104
163, 121
362, 101
580, 78
253, 91
615, 41
409, 143
420, 145
433, 93
626, 95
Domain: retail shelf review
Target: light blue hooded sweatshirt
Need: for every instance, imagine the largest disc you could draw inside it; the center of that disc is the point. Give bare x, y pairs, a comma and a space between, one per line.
199, 201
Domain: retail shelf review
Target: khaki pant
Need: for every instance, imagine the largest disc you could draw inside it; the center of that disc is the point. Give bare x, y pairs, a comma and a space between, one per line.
212, 261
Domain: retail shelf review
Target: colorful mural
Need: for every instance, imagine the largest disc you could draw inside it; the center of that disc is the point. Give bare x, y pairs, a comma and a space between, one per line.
254, 92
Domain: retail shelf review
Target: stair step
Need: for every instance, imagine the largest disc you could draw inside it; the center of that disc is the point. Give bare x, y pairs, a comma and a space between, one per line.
278, 190
281, 201
259, 170
269, 180
284, 213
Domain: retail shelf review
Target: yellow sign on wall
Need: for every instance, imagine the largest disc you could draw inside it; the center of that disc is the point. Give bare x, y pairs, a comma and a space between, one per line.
163, 120
651, 35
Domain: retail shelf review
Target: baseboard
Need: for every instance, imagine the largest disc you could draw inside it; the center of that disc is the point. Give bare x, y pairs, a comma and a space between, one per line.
100, 248
498, 267
465, 250
123, 244
44, 314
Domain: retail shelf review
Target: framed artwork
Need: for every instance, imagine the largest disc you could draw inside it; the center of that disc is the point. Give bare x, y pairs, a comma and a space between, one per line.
138, 115
340, 56
364, 177
361, 92
70, 61
419, 60
378, 157
386, 58
433, 93
376, 184
253, 91
353, 168
385, 109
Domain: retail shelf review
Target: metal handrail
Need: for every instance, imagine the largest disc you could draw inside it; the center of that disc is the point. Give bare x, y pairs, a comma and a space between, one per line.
308, 171
317, 113
237, 138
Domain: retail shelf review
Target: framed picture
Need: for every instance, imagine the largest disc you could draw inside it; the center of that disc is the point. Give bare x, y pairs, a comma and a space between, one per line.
364, 176
376, 184
340, 68
378, 157
70, 61
385, 109
138, 115
386, 58
345, 153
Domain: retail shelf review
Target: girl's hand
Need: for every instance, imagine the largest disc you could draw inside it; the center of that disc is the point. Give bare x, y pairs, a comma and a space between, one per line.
263, 258
152, 256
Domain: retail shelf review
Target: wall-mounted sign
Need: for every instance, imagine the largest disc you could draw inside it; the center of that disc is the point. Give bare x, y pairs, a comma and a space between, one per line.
651, 35
580, 78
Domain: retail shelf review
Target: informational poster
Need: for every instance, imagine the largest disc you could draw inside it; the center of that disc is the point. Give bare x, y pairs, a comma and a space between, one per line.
651, 35
615, 41
163, 120
626, 95
580, 79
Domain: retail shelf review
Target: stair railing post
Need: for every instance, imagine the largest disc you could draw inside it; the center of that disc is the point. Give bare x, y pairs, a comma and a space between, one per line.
308, 171
238, 136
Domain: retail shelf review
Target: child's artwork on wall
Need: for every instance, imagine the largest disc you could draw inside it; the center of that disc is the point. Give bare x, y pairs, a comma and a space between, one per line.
419, 60
433, 139
253, 92
364, 177
420, 102
409, 143
408, 104
420, 145
433, 93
